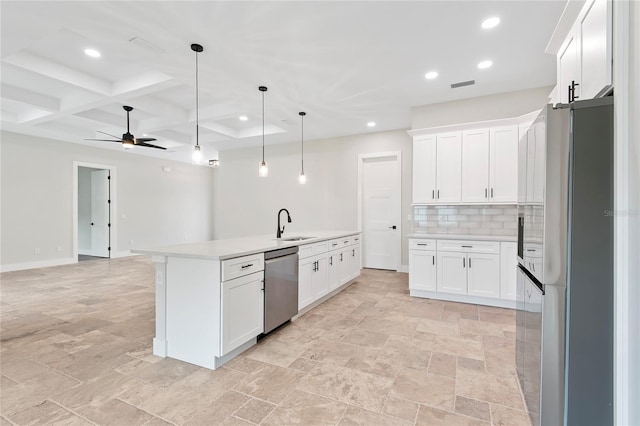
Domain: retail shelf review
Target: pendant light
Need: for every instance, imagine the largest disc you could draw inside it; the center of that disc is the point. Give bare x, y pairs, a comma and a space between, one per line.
302, 178
197, 154
263, 169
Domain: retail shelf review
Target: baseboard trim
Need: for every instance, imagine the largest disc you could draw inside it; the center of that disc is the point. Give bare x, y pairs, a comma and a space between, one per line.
125, 253
37, 264
404, 269
463, 298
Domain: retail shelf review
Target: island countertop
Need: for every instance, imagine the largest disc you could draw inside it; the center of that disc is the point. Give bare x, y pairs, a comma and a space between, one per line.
236, 247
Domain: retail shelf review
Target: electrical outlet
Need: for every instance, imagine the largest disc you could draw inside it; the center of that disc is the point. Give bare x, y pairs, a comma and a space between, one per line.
59, 249
36, 250
130, 242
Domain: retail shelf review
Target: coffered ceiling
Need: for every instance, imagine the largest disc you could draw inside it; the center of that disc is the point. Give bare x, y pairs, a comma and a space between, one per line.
344, 63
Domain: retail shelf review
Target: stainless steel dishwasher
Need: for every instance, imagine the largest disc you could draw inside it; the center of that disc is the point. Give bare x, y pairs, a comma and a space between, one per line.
280, 287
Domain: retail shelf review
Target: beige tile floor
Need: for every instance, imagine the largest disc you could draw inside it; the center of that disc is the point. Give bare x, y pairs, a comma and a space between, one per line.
76, 349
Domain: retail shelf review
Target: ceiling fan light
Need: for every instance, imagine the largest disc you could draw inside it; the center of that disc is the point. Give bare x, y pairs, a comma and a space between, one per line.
263, 169
214, 163
127, 144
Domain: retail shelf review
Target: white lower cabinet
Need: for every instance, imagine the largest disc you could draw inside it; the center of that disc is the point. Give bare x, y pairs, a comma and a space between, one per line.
452, 272
483, 275
242, 310
321, 271
344, 259
334, 269
466, 271
508, 270
422, 270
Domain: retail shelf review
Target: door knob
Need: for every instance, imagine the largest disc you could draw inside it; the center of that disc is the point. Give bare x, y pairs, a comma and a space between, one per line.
393, 227
91, 223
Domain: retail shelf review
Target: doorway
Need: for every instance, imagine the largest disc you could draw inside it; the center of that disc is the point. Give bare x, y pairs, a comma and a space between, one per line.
379, 209
93, 211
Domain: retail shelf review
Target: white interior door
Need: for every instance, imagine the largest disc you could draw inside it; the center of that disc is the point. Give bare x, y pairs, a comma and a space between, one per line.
381, 186
100, 213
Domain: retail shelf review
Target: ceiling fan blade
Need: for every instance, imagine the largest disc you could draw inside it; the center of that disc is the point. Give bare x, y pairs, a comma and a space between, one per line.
108, 134
148, 145
145, 139
104, 140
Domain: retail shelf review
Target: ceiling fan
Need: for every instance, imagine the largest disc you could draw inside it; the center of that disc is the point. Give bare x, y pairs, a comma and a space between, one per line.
128, 141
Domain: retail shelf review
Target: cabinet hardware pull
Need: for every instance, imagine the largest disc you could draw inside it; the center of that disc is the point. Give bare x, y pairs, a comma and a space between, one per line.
422, 244
469, 262
531, 249
491, 192
534, 267
464, 265
485, 193
433, 194
467, 246
334, 244
438, 194
331, 260
433, 260
353, 252
246, 266
340, 257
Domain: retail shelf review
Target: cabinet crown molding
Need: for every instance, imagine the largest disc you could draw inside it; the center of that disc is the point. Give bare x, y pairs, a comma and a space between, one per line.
514, 121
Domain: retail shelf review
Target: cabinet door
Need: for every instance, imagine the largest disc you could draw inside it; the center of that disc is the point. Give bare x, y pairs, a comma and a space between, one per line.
333, 266
568, 67
475, 166
508, 270
483, 275
503, 161
422, 270
344, 259
596, 48
522, 167
242, 310
355, 261
305, 284
449, 168
451, 272
539, 162
424, 169
320, 277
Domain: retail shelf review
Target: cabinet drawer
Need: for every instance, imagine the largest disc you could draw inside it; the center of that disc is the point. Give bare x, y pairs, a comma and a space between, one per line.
240, 266
345, 241
421, 244
334, 244
469, 246
355, 239
307, 250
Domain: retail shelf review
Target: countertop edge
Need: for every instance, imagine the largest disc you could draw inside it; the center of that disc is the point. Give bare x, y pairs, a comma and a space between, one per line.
169, 251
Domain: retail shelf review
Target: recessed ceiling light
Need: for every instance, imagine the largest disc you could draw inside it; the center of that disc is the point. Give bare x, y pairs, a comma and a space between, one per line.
490, 22
431, 75
371, 124
145, 135
485, 64
243, 118
92, 52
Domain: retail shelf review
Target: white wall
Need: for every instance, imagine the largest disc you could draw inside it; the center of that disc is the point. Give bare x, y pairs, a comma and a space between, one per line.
84, 209
247, 205
492, 107
154, 207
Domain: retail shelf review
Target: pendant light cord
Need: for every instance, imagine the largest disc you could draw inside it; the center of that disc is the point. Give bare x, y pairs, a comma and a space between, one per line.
302, 143
197, 106
263, 127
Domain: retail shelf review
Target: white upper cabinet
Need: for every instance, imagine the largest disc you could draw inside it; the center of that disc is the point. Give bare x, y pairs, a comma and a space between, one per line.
475, 166
424, 170
584, 60
449, 168
596, 48
503, 165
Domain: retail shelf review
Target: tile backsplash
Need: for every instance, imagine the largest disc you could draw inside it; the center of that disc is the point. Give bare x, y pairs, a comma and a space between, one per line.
466, 220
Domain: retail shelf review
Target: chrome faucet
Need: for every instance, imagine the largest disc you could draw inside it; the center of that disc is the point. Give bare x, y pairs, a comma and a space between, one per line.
281, 231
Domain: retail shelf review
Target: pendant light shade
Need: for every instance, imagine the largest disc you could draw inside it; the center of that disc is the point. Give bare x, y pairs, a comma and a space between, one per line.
197, 154
263, 169
302, 178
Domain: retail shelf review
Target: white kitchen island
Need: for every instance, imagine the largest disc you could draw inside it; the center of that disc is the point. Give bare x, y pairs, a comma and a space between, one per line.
209, 295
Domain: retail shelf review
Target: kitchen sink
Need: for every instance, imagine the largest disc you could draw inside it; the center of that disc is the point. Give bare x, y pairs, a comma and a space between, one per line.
295, 238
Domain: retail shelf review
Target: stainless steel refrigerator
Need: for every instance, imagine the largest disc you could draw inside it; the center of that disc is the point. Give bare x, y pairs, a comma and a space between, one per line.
564, 320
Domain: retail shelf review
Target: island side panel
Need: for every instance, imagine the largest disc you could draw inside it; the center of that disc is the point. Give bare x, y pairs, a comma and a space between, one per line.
160, 341
193, 310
